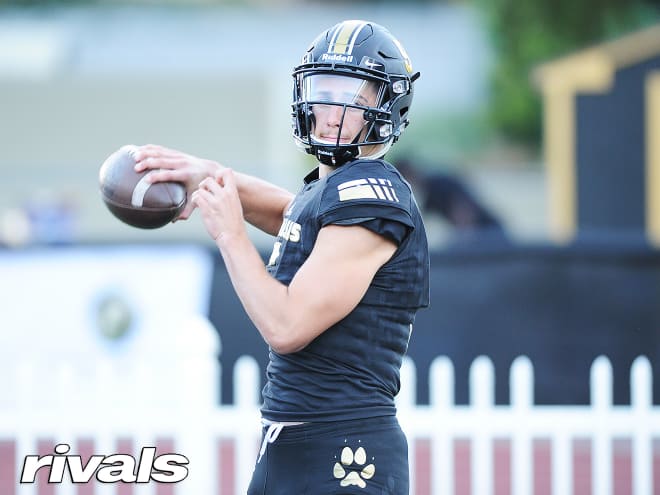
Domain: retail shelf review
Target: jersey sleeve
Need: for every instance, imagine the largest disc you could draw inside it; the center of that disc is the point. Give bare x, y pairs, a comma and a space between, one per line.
369, 193
391, 229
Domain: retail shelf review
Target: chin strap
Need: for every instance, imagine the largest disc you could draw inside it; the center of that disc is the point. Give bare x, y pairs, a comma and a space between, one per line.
336, 157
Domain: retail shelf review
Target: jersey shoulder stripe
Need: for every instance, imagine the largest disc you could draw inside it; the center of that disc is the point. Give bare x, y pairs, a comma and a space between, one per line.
367, 188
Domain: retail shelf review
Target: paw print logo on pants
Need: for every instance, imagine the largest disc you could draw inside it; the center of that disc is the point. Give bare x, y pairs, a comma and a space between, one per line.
355, 464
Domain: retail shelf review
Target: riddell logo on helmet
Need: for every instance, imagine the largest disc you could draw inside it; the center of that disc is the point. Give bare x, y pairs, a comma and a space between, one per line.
336, 57
166, 468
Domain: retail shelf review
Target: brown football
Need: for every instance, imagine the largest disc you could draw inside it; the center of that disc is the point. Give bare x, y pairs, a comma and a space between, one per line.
132, 199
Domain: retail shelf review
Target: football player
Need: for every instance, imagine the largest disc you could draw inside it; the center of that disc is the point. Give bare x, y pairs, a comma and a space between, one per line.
348, 271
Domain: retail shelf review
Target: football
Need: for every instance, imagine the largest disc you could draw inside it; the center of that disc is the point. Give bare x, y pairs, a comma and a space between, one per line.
132, 199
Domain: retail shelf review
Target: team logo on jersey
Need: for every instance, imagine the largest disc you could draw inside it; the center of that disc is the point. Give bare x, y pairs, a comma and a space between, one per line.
367, 189
289, 231
352, 468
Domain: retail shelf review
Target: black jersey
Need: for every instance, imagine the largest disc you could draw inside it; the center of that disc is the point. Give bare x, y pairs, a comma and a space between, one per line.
351, 370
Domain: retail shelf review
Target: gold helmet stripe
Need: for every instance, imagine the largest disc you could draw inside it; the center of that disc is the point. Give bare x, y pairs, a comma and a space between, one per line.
343, 39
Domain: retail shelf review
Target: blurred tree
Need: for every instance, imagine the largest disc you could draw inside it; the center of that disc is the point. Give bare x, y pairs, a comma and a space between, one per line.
530, 32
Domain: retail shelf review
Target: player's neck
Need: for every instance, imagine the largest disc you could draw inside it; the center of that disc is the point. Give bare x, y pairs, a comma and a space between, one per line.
324, 170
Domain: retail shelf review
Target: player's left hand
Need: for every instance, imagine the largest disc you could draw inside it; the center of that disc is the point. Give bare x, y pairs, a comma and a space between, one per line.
218, 202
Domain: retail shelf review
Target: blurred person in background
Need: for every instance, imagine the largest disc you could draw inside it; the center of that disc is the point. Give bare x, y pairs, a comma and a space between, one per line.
46, 219
348, 271
448, 196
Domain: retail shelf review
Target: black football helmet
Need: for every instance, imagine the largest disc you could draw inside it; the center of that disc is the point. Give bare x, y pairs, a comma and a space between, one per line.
355, 68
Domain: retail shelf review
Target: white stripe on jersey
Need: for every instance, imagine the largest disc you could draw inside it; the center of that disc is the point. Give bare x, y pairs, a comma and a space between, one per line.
367, 189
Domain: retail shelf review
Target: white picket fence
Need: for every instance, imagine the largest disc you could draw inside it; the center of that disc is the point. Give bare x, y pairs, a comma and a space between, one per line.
128, 406
482, 423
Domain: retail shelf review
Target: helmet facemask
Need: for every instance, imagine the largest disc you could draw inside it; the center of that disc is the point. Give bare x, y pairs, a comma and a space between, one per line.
340, 117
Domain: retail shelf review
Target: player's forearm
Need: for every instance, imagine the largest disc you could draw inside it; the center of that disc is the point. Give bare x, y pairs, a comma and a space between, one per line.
263, 203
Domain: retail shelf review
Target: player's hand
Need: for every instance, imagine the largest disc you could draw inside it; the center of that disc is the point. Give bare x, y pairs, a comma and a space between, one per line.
176, 166
218, 202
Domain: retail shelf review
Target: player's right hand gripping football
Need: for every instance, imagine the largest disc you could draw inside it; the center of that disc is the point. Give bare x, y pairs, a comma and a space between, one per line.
176, 166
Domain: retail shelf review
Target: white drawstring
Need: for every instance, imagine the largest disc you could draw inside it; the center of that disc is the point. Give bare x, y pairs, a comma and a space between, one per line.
274, 430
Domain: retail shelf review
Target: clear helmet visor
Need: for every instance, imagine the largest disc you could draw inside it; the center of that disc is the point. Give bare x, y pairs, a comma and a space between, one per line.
338, 104
340, 89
